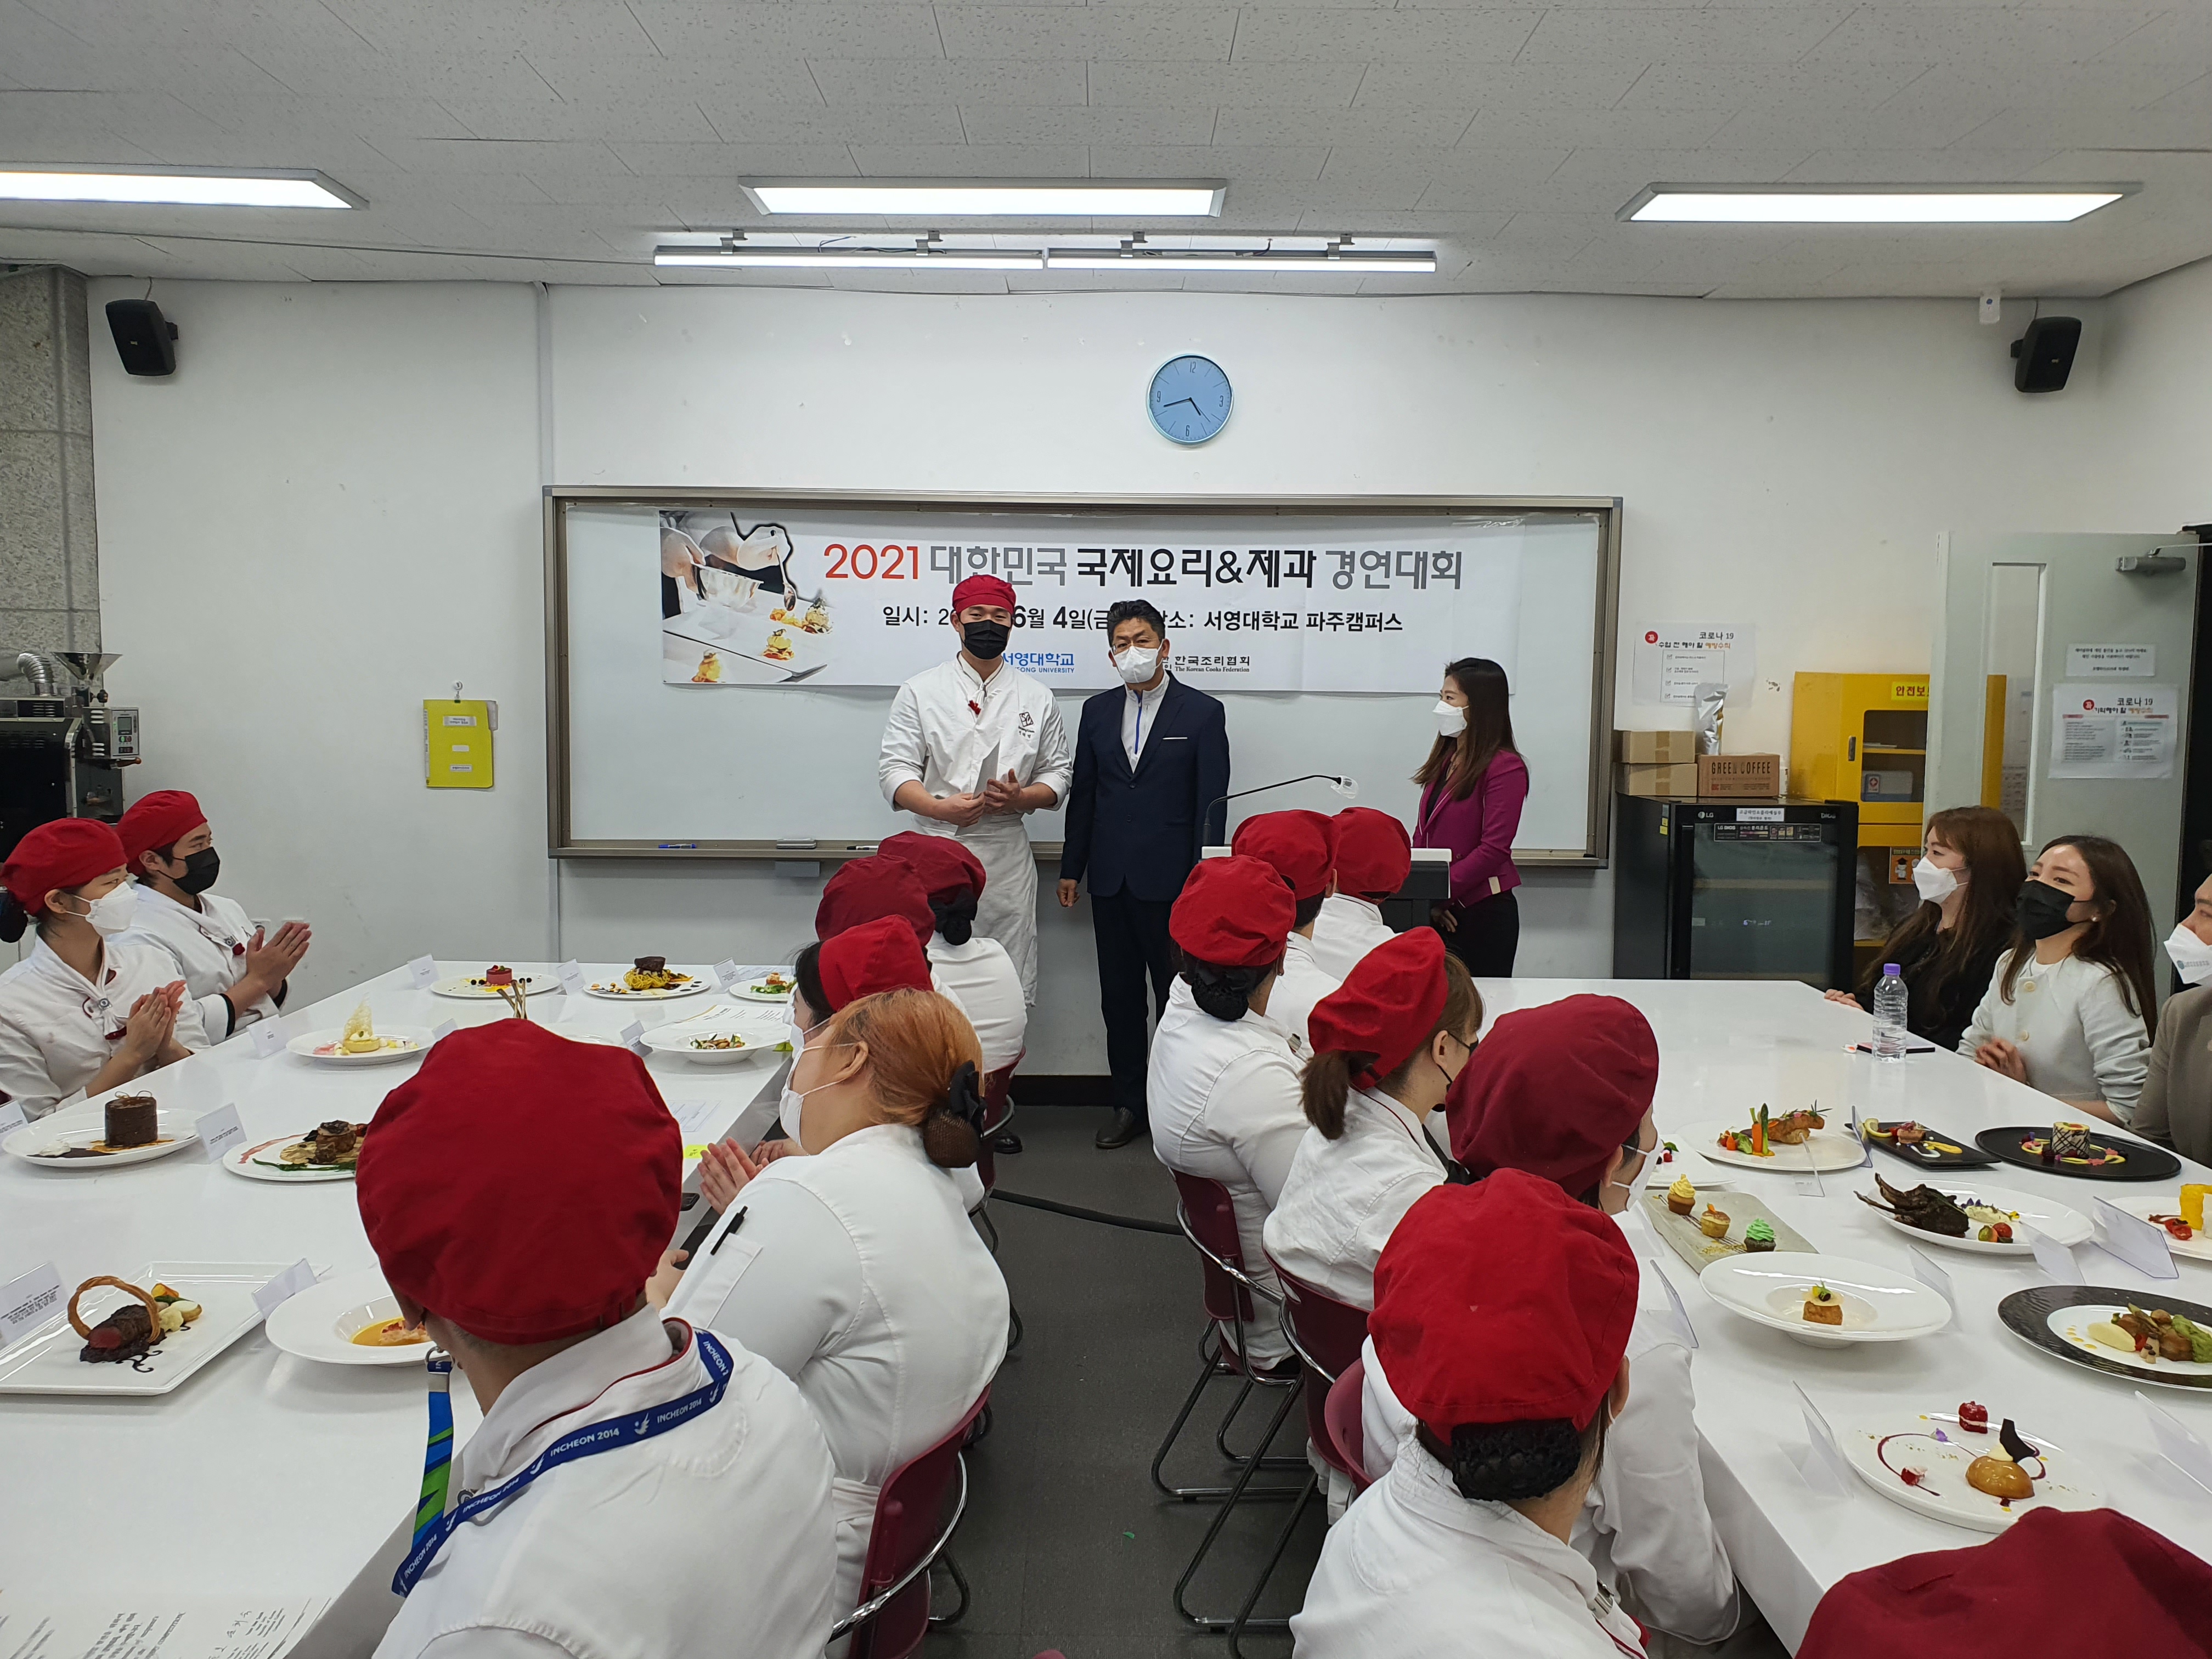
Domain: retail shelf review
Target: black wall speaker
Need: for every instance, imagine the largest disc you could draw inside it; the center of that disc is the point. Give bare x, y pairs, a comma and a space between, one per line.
2044, 356
146, 340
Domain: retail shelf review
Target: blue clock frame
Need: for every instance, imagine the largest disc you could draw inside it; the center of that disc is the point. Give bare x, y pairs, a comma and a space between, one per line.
1189, 399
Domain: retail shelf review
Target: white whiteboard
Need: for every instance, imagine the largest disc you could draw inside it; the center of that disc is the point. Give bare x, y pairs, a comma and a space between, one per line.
642, 768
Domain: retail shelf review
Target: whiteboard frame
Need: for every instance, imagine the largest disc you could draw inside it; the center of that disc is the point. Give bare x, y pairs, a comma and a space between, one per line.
562, 843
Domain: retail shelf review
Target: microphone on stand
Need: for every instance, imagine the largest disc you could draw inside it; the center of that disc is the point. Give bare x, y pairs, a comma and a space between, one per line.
1347, 787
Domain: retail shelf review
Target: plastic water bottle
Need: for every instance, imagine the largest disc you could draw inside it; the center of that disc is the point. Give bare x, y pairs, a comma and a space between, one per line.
1889, 1004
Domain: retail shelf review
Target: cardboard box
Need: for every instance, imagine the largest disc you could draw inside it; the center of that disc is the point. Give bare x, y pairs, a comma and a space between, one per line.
1740, 774
1655, 748
1677, 780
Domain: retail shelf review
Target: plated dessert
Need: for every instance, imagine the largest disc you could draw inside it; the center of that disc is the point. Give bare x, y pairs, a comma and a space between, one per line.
2182, 1217
650, 976
2080, 1151
498, 983
1701, 1232
1947, 1465
1918, 1143
1825, 1300
131, 1131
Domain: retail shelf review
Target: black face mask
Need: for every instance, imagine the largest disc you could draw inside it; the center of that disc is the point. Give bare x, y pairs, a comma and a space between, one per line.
201, 868
984, 640
2042, 910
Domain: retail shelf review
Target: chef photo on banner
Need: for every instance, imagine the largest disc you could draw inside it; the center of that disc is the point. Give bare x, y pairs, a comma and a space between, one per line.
729, 604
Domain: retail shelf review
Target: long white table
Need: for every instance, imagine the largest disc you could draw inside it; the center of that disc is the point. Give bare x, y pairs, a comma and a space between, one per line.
264, 1476
1725, 1047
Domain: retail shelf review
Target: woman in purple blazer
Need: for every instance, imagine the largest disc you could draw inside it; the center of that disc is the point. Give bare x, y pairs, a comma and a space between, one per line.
1473, 785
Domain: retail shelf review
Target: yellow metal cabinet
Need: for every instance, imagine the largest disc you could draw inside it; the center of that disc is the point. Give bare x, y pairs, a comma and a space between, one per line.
1864, 737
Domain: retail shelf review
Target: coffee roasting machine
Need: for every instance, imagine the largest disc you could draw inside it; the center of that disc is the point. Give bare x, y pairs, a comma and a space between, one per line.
63, 745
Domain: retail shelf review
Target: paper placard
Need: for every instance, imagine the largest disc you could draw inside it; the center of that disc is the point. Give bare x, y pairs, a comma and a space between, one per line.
691, 1117
725, 973
2177, 1442
282, 1288
2109, 662
219, 1131
11, 1117
1924, 1269
162, 1626
28, 1301
1824, 1468
2055, 1258
633, 1031
572, 977
1671, 659
422, 973
265, 1036
1676, 1311
2142, 1244
2113, 729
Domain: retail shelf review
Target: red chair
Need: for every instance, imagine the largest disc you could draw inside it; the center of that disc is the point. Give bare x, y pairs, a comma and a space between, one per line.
1347, 1445
908, 1538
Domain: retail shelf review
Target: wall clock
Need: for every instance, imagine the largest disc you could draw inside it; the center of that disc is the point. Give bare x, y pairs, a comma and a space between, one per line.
1189, 399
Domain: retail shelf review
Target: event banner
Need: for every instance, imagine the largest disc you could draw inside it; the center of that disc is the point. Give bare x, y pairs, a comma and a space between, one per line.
1253, 603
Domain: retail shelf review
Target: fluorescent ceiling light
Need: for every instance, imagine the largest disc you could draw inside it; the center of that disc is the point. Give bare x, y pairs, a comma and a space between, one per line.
177, 186
850, 258
1870, 205
1224, 260
969, 198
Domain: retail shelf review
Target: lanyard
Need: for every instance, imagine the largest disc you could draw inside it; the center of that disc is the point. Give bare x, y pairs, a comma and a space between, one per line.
433, 1527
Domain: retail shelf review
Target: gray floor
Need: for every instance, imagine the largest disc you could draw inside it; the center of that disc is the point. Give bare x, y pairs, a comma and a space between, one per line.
1066, 1543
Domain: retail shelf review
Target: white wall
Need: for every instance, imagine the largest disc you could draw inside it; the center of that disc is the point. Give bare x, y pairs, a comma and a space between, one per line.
1784, 463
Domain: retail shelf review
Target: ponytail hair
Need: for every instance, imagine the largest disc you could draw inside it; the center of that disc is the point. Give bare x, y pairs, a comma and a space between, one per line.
1501, 1462
1330, 1075
956, 917
925, 1069
14, 919
1225, 993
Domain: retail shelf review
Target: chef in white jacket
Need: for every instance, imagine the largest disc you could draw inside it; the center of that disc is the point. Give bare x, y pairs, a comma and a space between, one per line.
1222, 1082
851, 1264
87, 1010
517, 1191
973, 971
1374, 856
234, 974
970, 747
1386, 1049
1504, 1309
1563, 1091
1302, 853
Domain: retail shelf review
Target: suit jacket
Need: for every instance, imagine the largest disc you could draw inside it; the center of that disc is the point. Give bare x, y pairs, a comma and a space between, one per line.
1142, 831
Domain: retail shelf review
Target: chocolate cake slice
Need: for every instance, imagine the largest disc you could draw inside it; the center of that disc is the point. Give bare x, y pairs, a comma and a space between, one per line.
652, 964
132, 1120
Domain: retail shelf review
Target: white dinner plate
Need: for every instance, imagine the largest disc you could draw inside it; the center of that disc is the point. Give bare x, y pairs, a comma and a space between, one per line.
258, 1163
750, 991
319, 1323
613, 990
1881, 1304
762, 1033
1684, 1162
33, 1142
1938, 1450
2032, 1215
533, 985
46, 1361
2199, 1248
311, 1045
1824, 1149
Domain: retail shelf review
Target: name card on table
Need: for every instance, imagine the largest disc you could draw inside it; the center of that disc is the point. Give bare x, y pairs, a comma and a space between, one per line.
1678, 1314
422, 973
11, 1117
1824, 1466
442, 1030
2177, 1442
725, 973
29, 1301
633, 1036
282, 1288
2056, 1259
572, 977
2142, 1244
219, 1131
266, 1037
1924, 1269
1808, 1185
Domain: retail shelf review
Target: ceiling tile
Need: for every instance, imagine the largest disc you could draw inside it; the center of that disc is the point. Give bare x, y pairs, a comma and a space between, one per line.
1203, 162
1711, 166
1968, 34
1005, 124
734, 161
1532, 129
1363, 123
466, 155
1734, 34
1698, 85
925, 80
715, 29
1588, 85
600, 27
971, 161
364, 73
136, 25
749, 121
2072, 86
2181, 36
1919, 124
665, 119
715, 83
2187, 126
1195, 34
1463, 37
1163, 85
1956, 166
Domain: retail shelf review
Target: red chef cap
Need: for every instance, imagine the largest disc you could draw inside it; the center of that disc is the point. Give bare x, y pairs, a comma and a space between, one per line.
160, 819
1299, 844
866, 889
881, 955
522, 1185
1504, 1302
982, 589
1387, 1007
1374, 853
2056, 1582
1233, 912
1557, 1091
945, 868
60, 853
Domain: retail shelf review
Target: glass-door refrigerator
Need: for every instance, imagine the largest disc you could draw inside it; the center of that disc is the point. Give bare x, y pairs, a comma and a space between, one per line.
1719, 888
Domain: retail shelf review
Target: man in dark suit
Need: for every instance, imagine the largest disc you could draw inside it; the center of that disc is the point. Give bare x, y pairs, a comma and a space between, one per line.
1151, 764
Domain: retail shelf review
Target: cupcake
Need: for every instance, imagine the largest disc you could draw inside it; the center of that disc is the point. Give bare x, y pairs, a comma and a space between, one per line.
1682, 1196
1758, 1234
1714, 1223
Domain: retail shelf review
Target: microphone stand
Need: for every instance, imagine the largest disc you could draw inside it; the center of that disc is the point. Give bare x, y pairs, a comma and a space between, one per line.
1346, 787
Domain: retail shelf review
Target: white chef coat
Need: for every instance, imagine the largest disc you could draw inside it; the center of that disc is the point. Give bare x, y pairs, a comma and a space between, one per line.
1140, 712
1344, 1198
2074, 1028
857, 1274
946, 724
1224, 1099
1302, 983
1417, 1571
1346, 929
632, 1551
208, 947
980, 978
57, 1028
1644, 1528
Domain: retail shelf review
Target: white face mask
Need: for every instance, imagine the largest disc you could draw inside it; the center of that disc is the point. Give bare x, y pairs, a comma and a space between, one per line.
1935, 883
1136, 664
2192, 957
1450, 720
111, 913
789, 1106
